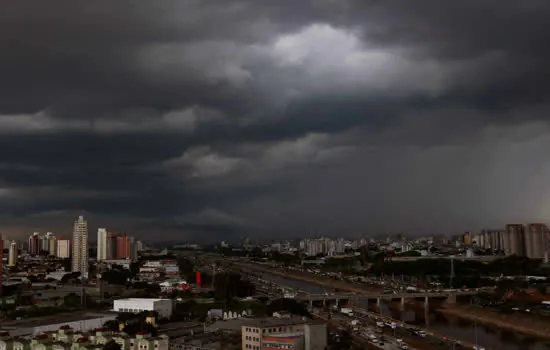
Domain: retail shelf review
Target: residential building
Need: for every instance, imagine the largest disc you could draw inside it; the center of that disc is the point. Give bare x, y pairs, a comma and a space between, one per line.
514, 240
101, 244
123, 247
34, 244
536, 240
162, 306
492, 239
47, 244
63, 250
111, 246
12, 255
467, 238
315, 246
67, 338
80, 246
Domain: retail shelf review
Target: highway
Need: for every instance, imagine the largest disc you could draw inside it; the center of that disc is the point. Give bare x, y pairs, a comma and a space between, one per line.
407, 332
422, 340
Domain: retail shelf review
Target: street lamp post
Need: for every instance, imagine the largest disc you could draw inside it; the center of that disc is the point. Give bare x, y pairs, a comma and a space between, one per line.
475, 333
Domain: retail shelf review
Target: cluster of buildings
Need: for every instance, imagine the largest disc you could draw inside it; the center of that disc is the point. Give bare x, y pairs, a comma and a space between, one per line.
531, 240
66, 338
324, 246
112, 246
47, 245
152, 270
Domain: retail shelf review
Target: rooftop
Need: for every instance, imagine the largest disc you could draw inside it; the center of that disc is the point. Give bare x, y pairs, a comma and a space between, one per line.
53, 319
275, 322
282, 337
142, 299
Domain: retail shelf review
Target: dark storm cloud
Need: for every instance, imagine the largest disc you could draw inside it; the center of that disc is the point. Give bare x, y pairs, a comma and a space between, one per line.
224, 117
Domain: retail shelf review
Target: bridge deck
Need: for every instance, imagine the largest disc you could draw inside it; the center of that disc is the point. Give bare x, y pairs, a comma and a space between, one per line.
382, 296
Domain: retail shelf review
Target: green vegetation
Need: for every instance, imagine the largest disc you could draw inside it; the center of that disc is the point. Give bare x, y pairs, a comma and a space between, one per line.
111, 345
133, 323
229, 285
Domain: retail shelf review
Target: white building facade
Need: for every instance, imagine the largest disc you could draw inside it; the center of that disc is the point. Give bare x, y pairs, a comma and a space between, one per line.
101, 244
63, 248
163, 307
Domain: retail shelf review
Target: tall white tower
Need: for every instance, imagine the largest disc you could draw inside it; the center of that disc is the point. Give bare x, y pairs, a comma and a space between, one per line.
12, 256
101, 244
80, 246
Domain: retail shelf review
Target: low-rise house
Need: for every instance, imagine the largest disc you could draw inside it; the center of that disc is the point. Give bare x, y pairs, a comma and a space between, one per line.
66, 339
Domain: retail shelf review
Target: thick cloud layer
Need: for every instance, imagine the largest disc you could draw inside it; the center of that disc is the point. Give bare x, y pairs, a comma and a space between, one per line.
211, 120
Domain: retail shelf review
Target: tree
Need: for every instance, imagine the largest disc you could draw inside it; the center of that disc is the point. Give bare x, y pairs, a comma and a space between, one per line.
134, 269
112, 345
114, 276
71, 300
111, 325
289, 305
69, 276
229, 285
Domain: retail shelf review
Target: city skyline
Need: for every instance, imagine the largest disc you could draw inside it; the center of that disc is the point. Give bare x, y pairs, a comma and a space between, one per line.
182, 121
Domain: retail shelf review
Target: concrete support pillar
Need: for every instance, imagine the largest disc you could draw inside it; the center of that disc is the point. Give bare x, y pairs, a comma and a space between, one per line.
337, 302
426, 311
402, 305
378, 304
311, 304
324, 302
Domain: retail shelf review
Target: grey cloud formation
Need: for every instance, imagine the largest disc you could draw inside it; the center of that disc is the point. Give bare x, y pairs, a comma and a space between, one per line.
186, 119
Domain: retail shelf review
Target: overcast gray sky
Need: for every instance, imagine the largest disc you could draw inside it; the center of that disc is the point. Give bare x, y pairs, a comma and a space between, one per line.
191, 119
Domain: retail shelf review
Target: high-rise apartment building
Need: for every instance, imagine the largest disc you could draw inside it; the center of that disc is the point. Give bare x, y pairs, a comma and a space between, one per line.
139, 246
316, 246
536, 240
34, 244
48, 244
132, 248
467, 238
491, 239
101, 244
63, 250
111, 246
514, 240
80, 246
12, 254
123, 247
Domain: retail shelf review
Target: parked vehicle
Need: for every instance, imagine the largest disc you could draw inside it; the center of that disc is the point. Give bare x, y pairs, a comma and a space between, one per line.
346, 311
